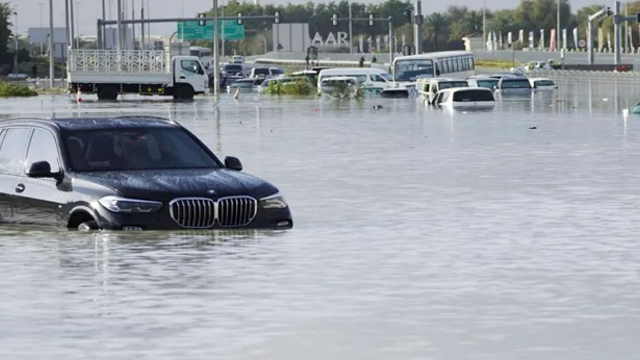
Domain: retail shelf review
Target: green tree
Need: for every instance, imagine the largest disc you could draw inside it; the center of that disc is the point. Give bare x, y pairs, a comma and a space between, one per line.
5, 33
436, 26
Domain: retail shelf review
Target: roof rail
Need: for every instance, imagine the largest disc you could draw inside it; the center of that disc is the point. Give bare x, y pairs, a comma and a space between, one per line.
141, 117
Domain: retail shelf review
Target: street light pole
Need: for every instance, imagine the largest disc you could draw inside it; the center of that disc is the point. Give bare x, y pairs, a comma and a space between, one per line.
41, 44
15, 39
484, 24
73, 27
119, 17
350, 29
51, 49
78, 24
558, 28
216, 69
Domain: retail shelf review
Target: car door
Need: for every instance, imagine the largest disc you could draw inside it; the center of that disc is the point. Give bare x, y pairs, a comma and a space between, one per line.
12, 153
40, 197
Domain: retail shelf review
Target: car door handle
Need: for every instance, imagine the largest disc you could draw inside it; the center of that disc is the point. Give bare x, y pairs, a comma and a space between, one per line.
182, 77
19, 188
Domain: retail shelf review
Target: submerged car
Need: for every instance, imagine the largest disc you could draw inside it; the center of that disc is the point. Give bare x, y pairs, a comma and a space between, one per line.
127, 173
514, 84
486, 82
465, 98
543, 84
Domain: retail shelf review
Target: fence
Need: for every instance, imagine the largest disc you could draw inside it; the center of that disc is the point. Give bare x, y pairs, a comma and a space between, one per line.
576, 75
130, 61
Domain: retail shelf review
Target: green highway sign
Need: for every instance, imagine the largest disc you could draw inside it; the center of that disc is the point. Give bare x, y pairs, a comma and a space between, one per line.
191, 30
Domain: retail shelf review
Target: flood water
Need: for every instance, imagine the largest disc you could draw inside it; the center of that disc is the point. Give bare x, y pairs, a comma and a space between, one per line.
419, 234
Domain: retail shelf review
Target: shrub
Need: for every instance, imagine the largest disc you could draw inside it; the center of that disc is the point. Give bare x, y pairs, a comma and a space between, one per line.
15, 90
300, 88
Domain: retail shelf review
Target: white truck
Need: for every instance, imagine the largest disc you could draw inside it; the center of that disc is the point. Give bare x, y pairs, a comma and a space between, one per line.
109, 73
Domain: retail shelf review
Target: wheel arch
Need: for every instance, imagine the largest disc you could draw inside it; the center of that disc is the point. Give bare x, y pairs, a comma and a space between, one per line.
80, 214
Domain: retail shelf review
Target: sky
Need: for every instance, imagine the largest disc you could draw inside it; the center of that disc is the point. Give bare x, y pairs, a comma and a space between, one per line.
90, 10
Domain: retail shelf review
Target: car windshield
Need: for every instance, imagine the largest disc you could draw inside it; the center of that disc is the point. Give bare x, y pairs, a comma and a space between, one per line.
544, 83
135, 149
387, 76
516, 84
452, 84
233, 68
489, 84
410, 70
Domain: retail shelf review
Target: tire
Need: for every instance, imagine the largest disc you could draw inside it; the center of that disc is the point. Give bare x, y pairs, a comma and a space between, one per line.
88, 226
108, 93
183, 92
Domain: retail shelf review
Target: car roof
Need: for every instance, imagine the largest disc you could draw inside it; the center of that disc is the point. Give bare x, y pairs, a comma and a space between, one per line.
465, 89
93, 123
540, 78
440, 79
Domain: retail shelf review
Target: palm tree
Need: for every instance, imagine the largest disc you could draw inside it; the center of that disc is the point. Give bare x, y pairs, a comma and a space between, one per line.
435, 25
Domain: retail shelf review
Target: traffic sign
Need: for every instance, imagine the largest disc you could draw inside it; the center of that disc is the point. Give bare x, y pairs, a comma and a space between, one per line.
192, 30
582, 43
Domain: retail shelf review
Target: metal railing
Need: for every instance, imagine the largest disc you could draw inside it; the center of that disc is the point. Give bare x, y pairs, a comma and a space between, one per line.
129, 61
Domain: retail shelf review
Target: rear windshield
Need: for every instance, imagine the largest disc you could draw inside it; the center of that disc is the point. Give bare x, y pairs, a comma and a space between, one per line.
233, 68
259, 71
516, 84
489, 84
472, 95
277, 71
452, 84
544, 83
135, 149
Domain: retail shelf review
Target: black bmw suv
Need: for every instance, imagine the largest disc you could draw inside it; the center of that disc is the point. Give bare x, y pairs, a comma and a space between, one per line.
126, 173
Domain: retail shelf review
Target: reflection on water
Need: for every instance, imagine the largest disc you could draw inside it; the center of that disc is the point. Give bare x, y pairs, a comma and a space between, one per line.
420, 233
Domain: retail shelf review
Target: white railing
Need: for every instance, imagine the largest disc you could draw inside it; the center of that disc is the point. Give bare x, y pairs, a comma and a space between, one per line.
128, 61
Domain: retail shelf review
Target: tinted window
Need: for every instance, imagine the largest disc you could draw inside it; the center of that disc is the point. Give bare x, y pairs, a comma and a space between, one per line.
377, 78
135, 149
544, 83
516, 84
453, 84
410, 70
472, 95
233, 68
277, 71
13, 149
261, 71
191, 66
489, 84
43, 147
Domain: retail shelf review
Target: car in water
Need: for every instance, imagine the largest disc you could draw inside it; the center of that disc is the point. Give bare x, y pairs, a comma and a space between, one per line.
266, 72
514, 84
237, 59
429, 87
245, 85
126, 173
465, 98
486, 82
543, 84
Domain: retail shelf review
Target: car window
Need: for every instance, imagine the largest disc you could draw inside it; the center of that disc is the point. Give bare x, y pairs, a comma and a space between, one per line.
263, 71
490, 84
516, 84
445, 97
135, 149
43, 147
13, 149
544, 83
191, 66
453, 84
277, 71
472, 96
377, 78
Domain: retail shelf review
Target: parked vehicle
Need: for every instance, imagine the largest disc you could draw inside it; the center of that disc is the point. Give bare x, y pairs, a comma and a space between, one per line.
465, 98
284, 81
237, 59
331, 84
429, 87
486, 82
514, 84
245, 85
369, 79
109, 73
128, 173
543, 84
264, 72
457, 64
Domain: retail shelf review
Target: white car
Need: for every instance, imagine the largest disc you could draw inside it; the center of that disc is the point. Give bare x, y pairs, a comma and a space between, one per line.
429, 87
542, 84
237, 59
465, 98
328, 85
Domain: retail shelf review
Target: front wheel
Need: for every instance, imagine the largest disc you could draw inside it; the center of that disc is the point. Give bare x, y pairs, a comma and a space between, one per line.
108, 93
88, 226
184, 92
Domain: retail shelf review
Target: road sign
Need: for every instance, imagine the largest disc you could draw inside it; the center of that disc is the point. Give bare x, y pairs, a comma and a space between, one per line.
582, 43
191, 30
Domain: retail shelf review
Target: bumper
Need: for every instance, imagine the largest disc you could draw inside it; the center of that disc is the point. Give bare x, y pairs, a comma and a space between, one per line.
265, 219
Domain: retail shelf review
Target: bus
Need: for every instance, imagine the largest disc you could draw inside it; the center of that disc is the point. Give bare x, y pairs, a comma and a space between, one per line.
454, 64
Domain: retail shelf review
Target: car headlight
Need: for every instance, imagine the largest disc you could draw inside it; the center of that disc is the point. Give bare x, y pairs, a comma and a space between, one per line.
275, 201
121, 205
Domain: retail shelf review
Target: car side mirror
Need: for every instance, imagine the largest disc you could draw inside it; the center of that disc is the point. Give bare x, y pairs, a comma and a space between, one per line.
42, 170
233, 163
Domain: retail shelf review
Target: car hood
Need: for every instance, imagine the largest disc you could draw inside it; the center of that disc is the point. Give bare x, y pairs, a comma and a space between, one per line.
166, 185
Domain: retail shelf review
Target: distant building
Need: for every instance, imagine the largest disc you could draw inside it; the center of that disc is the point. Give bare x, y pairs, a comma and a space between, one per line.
473, 42
40, 36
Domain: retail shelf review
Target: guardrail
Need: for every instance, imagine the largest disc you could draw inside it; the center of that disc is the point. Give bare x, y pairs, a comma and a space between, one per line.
575, 75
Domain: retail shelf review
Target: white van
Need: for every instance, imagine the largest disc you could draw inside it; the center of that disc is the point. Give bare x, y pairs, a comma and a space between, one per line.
369, 79
465, 98
429, 87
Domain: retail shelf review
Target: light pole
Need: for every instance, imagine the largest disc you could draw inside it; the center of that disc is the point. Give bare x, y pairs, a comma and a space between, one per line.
15, 39
350, 30
42, 43
78, 24
73, 27
484, 24
51, 42
216, 68
558, 28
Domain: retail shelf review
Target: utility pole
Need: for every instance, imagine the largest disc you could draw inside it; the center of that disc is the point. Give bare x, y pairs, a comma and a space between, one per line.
66, 19
418, 27
484, 24
119, 16
617, 34
350, 29
78, 24
558, 28
133, 26
222, 40
142, 42
104, 18
73, 26
15, 40
41, 44
51, 49
216, 66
